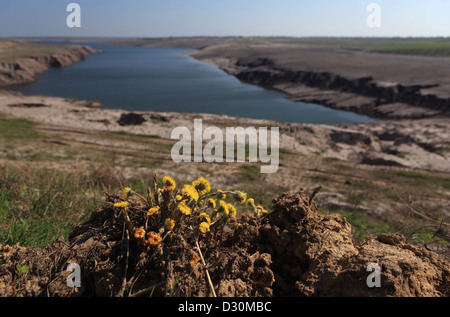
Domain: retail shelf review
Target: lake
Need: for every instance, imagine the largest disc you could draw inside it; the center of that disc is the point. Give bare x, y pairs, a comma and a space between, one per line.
165, 79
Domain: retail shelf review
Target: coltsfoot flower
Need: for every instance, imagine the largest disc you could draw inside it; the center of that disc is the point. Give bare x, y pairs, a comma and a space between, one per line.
154, 238
166, 189
221, 195
240, 196
185, 210
250, 202
122, 204
202, 185
204, 217
169, 182
260, 210
194, 259
139, 233
231, 210
126, 193
190, 192
153, 211
223, 207
169, 224
211, 203
204, 227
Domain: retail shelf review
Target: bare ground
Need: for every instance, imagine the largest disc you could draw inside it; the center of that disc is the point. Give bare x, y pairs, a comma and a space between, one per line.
294, 251
396, 172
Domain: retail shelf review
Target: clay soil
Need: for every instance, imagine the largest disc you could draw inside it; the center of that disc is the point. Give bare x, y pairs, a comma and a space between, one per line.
294, 251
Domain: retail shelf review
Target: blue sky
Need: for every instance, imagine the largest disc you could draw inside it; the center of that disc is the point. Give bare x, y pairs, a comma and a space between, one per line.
159, 18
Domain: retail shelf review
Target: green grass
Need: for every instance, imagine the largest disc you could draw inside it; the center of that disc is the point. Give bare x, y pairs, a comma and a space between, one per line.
37, 205
12, 129
250, 173
330, 159
421, 179
253, 184
125, 136
364, 225
320, 178
426, 48
411, 46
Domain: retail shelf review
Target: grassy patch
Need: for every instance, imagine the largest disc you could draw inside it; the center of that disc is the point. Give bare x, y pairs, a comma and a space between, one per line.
38, 205
252, 178
409, 46
250, 173
421, 179
330, 160
426, 48
320, 178
364, 225
125, 136
15, 129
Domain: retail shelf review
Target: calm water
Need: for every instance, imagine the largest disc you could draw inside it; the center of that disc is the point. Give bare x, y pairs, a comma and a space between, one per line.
164, 79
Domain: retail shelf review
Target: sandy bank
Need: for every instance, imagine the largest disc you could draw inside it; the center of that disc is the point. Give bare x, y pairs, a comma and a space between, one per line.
21, 68
422, 144
378, 85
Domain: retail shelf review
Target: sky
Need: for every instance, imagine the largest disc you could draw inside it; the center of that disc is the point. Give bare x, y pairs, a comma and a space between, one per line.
163, 18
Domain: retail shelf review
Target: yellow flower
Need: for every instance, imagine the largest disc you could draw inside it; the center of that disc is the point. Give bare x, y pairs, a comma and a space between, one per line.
231, 210
211, 203
139, 233
261, 210
202, 185
165, 189
154, 239
223, 207
250, 202
220, 195
184, 208
169, 224
204, 227
205, 217
153, 211
240, 196
122, 204
169, 182
190, 192
178, 197
195, 258
126, 193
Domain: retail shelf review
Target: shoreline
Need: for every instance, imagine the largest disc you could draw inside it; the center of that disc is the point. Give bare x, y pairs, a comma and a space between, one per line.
422, 143
412, 144
296, 70
361, 95
352, 78
23, 69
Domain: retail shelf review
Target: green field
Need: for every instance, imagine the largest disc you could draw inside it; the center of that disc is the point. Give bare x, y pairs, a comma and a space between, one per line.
409, 46
10, 51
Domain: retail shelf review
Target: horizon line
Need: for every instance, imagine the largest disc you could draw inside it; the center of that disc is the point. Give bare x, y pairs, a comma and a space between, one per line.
230, 36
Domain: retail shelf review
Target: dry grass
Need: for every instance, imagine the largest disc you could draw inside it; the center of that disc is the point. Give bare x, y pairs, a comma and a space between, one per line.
47, 159
10, 51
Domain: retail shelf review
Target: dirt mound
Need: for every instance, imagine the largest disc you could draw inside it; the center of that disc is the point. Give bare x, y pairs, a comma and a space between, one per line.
293, 251
315, 255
